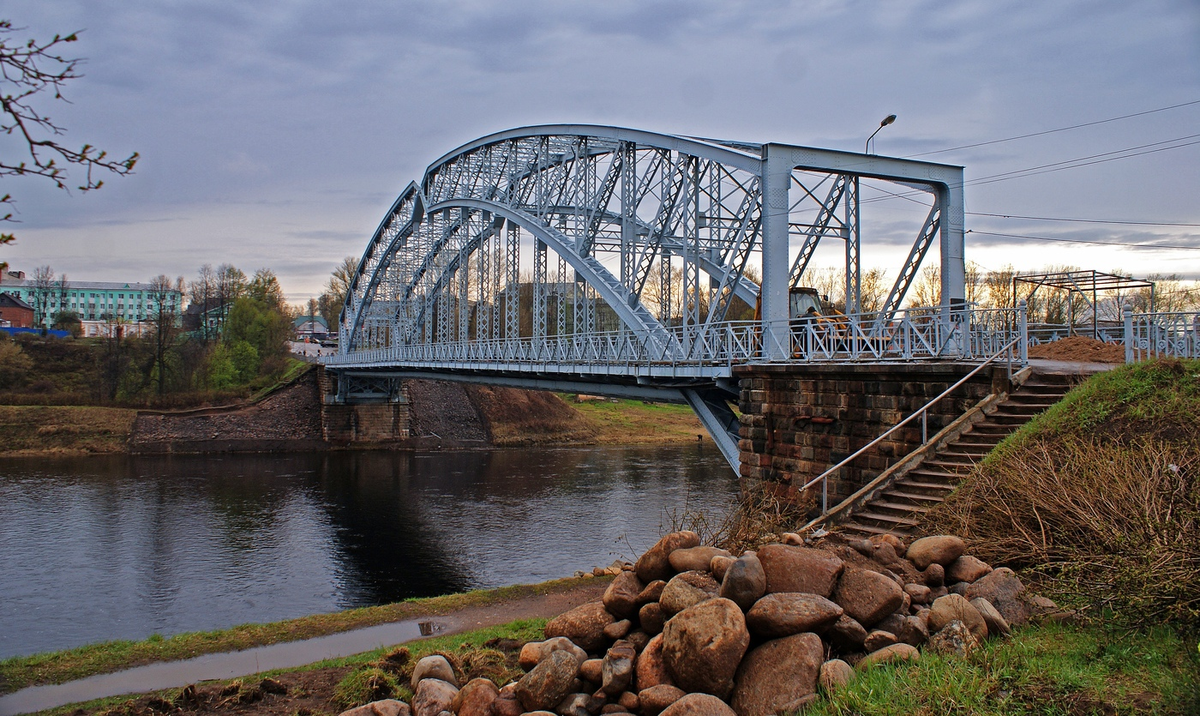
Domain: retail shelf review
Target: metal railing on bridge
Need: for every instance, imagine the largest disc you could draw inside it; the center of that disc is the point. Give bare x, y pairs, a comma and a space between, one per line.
1161, 335
707, 350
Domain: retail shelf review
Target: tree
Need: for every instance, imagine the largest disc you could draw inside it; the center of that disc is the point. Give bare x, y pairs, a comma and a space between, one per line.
28, 69
203, 293
163, 300
334, 297
43, 291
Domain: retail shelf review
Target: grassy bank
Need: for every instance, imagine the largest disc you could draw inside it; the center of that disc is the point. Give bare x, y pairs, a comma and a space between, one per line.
1098, 498
63, 430
61, 666
633, 422
1048, 669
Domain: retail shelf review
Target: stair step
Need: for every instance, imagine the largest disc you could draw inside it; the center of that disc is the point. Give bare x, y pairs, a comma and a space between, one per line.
921, 485
914, 496
897, 507
854, 527
961, 457
886, 519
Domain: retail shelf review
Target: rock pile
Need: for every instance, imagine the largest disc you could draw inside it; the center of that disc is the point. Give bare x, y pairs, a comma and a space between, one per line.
692, 630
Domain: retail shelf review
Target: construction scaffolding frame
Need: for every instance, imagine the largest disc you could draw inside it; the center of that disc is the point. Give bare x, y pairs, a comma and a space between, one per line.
1087, 284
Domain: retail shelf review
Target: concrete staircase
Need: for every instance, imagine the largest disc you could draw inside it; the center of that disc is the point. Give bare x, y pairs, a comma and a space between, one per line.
899, 507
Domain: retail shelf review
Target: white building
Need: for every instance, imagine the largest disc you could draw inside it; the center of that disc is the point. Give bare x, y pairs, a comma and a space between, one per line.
99, 303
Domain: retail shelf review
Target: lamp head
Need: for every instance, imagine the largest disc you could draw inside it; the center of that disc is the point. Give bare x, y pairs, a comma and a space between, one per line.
887, 120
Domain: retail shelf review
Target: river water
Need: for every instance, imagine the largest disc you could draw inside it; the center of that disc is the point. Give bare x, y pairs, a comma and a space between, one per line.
101, 548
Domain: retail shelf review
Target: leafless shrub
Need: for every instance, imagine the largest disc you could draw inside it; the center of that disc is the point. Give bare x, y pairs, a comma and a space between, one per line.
758, 517
1113, 527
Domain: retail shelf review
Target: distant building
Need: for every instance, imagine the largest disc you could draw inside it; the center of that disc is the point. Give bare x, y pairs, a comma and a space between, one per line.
310, 327
97, 303
15, 313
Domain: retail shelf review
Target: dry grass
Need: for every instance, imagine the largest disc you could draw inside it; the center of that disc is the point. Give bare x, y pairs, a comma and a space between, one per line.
1099, 497
63, 430
759, 517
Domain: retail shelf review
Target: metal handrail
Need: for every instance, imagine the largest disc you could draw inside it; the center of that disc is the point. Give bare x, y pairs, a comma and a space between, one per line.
823, 478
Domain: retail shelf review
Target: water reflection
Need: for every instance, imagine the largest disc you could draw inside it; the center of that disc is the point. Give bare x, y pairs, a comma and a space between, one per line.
107, 548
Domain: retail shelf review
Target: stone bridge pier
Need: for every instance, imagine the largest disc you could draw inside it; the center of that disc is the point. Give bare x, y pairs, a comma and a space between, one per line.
799, 420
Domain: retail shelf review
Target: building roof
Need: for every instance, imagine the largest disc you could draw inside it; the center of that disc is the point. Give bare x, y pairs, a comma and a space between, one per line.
73, 285
9, 301
307, 319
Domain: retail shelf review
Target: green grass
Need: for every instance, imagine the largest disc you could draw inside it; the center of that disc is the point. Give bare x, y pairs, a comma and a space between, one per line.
364, 664
1157, 397
1048, 669
62, 666
627, 422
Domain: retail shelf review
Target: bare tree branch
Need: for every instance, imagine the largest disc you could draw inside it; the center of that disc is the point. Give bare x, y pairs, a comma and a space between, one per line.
28, 69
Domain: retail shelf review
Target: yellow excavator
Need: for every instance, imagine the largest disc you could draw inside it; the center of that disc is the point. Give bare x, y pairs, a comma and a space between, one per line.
807, 307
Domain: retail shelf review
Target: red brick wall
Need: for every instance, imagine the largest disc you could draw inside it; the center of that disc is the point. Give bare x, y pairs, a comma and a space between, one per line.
798, 421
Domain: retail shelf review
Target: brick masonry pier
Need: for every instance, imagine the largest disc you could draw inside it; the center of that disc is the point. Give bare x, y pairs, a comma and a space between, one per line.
798, 421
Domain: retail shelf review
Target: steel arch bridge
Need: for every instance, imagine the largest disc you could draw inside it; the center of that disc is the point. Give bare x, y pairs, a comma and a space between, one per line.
629, 263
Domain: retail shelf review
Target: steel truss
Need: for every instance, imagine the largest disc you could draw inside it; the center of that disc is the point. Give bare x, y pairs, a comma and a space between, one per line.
653, 237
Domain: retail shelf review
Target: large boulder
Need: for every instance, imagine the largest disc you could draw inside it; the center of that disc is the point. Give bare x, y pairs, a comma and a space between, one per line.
583, 625
834, 674
475, 698
889, 655
954, 639
719, 565
651, 670
953, 607
912, 630
432, 697
703, 645
549, 682
699, 705
655, 563
535, 651
942, 549
997, 625
846, 634
799, 569
386, 707
694, 559
620, 599
652, 592
617, 669
1003, 588
966, 569
868, 596
652, 617
786, 613
434, 666
745, 581
776, 674
656, 698
686, 590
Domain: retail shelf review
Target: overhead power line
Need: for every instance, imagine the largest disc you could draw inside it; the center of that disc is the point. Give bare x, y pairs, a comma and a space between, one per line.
1103, 157
1053, 131
1119, 244
1084, 221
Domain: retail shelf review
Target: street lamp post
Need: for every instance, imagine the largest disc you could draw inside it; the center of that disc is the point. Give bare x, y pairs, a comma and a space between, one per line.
886, 121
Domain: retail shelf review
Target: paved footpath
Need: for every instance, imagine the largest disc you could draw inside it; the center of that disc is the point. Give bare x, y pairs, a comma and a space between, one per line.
230, 665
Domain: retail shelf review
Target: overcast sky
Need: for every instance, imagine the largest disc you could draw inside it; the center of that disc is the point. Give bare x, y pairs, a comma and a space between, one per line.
278, 134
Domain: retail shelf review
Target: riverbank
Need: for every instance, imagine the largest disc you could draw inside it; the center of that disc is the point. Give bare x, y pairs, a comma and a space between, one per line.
444, 415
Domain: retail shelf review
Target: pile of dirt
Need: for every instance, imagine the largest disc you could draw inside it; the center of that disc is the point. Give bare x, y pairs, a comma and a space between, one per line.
1079, 348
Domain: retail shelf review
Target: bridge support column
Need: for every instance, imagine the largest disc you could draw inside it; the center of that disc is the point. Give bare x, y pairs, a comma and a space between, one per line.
798, 420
